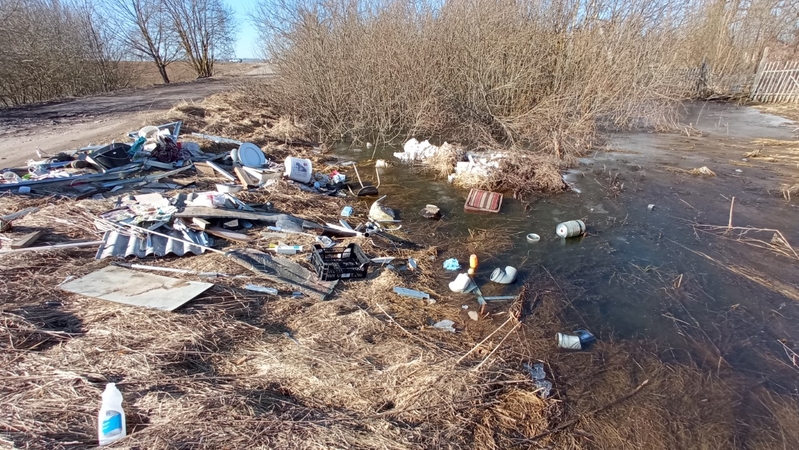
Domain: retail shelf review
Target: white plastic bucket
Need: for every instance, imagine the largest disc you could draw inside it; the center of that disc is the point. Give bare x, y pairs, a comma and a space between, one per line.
571, 228
298, 169
569, 342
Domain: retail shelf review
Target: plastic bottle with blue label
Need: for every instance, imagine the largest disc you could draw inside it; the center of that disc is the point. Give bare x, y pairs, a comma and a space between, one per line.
111, 420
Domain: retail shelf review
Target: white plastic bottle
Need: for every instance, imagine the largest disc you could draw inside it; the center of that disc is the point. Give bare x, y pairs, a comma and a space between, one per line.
111, 420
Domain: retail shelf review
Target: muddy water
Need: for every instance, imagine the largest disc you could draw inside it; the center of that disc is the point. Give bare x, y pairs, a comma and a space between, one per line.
641, 274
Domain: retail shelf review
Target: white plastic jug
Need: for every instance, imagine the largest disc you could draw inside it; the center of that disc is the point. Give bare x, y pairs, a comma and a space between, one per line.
298, 169
111, 420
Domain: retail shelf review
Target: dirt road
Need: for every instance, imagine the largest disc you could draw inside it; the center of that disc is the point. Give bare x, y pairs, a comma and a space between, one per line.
71, 124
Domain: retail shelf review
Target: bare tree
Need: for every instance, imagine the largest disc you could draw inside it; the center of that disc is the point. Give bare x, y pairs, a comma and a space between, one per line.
145, 27
204, 29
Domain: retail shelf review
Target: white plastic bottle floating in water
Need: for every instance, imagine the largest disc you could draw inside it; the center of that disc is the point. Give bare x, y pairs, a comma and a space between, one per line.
111, 420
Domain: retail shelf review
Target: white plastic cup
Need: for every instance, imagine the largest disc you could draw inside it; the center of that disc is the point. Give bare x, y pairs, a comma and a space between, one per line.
569, 342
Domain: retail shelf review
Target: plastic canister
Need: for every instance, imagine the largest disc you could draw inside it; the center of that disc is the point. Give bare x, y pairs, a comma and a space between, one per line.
298, 169
111, 419
569, 341
571, 228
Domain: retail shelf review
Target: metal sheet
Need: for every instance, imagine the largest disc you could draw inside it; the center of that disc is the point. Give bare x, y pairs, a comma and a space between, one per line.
120, 245
134, 288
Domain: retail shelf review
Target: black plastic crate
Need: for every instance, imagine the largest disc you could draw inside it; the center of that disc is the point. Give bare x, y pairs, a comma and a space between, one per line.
340, 263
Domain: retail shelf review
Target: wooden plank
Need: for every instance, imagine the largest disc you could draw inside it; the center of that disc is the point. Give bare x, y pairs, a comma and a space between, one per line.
243, 178
130, 287
229, 235
53, 247
221, 171
219, 213
28, 239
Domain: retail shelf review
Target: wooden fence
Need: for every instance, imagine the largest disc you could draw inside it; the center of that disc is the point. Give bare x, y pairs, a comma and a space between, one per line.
776, 82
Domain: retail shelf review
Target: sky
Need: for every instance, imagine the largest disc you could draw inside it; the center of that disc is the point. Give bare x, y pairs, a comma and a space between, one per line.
247, 38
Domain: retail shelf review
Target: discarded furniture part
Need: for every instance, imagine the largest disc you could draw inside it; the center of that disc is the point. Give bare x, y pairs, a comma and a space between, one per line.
340, 263
569, 342
366, 190
452, 264
282, 270
28, 239
381, 213
462, 284
413, 293
262, 289
431, 212
217, 139
123, 245
572, 228
483, 201
504, 276
250, 155
446, 325
130, 287
298, 169
46, 248
533, 238
5, 221
221, 171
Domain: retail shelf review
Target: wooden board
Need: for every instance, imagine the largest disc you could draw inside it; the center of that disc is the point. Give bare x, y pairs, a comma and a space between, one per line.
28, 239
135, 288
483, 201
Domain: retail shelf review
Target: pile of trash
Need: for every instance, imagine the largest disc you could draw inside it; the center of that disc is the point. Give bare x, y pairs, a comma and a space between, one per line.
467, 164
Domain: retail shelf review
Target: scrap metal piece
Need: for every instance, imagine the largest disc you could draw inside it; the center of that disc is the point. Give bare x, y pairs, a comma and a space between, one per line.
121, 245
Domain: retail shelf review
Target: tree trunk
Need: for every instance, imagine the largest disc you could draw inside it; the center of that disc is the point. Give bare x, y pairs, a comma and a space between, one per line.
162, 71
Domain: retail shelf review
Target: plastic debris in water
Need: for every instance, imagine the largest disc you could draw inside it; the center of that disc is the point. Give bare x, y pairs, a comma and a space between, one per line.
452, 264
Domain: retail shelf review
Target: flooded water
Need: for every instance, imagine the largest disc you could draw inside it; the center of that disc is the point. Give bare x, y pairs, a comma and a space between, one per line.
639, 274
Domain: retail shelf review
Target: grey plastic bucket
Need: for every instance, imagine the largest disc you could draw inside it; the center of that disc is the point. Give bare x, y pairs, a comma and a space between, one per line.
571, 228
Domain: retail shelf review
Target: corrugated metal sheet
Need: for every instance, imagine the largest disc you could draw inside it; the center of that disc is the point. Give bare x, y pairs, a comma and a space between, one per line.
120, 245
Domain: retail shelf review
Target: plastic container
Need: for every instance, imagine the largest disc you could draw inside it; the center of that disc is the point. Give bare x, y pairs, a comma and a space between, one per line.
340, 263
111, 419
298, 169
572, 228
504, 276
473, 261
569, 342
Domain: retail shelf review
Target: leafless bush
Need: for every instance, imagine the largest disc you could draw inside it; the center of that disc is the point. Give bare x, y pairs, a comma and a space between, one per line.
52, 49
540, 75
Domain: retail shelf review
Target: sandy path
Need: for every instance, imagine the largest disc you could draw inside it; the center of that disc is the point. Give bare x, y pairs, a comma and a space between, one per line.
71, 124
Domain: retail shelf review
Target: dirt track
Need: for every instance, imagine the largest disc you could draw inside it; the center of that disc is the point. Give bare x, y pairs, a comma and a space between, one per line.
71, 124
